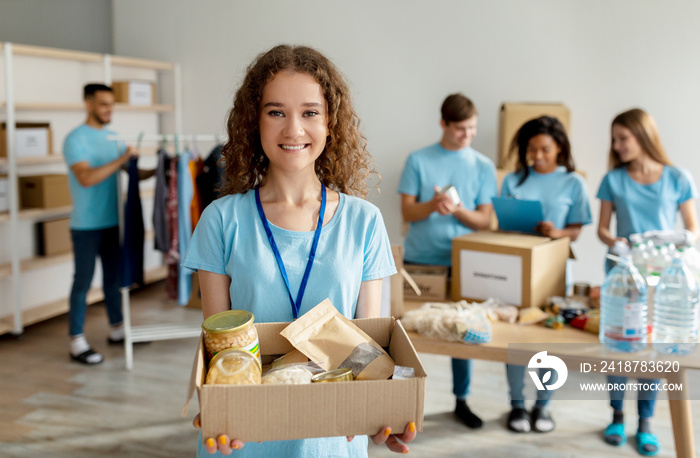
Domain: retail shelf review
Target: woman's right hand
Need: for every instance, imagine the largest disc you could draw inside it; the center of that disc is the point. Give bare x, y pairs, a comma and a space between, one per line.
223, 443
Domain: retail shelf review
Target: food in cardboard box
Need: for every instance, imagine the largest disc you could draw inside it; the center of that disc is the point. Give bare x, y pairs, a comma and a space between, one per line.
456, 321
234, 367
335, 375
290, 374
332, 341
231, 329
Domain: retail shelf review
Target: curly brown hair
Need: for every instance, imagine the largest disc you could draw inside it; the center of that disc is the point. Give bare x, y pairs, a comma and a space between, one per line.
344, 164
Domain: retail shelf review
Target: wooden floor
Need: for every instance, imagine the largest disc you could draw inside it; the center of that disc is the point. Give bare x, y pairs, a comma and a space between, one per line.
51, 406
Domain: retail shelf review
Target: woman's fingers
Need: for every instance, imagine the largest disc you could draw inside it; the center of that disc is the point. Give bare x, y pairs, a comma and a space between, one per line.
382, 436
222, 444
196, 422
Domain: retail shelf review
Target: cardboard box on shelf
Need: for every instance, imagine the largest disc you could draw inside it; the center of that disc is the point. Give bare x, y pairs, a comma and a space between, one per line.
431, 281
44, 191
271, 412
514, 115
32, 139
54, 237
519, 269
141, 93
4, 194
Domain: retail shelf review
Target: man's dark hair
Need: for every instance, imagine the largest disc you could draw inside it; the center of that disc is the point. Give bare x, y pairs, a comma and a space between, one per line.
90, 89
457, 108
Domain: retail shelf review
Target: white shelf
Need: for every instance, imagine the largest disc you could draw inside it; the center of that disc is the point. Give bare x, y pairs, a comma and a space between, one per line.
27, 106
60, 306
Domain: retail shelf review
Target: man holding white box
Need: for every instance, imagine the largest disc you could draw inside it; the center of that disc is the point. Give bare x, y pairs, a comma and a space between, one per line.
446, 191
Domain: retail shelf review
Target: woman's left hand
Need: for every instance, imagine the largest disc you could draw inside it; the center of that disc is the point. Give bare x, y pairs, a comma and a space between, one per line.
395, 442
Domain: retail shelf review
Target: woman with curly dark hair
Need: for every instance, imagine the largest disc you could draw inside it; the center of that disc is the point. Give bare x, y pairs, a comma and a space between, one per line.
295, 171
545, 173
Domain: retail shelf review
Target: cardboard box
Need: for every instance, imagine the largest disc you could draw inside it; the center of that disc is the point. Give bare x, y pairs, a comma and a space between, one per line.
283, 412
519, 269
396, 283
4, 194
141, 93
32, 139
431, 281
44, 191
54, 237
514, 115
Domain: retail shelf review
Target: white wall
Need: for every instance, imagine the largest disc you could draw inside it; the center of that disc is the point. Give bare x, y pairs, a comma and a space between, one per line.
402, 57
84, 25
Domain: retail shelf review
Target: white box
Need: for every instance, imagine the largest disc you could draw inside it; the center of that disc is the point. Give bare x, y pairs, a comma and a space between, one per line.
140, 93
32, 142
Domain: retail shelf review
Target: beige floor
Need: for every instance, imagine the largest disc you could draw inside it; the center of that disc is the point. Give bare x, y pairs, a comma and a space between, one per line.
53, 407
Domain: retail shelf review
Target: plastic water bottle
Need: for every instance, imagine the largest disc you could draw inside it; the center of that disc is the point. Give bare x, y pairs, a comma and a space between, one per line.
623, 309
640, 258
658, 259
676, 311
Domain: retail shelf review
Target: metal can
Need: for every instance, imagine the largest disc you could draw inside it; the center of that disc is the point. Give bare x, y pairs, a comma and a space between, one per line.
334, 375
234, 367
231, 329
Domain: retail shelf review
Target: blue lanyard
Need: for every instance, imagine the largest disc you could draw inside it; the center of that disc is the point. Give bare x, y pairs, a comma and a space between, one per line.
317, 234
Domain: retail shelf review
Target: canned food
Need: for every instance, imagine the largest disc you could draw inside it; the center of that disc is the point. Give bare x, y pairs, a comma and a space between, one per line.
335, 375
234, 367
231, 329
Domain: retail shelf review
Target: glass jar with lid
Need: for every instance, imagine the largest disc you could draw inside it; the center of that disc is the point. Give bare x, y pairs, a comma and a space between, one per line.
231, 329
234, 367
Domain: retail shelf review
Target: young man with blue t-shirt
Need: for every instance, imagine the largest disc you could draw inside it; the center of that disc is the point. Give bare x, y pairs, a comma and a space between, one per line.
93, 161
435, 218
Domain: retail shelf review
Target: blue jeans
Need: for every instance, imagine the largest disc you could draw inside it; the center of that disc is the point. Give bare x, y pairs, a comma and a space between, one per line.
516, 385
646, 399
461, 377
87, 245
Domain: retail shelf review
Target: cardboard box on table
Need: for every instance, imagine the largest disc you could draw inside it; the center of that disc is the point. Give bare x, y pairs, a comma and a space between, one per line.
431, 281
285, 412
518, 269
514, 115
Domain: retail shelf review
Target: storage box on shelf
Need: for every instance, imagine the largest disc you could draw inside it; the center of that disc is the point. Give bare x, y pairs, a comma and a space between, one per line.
32, 139
142, 93
44, 191
53, 237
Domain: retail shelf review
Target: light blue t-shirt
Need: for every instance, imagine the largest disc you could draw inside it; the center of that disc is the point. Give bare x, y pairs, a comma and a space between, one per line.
353, 247
429, 241
563, 195
94, 207
646, 207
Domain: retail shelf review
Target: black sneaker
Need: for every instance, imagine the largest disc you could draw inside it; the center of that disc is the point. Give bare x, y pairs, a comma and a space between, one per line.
519, 420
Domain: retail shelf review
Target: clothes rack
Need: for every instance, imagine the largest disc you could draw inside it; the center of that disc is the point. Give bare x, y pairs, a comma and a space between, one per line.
148, 333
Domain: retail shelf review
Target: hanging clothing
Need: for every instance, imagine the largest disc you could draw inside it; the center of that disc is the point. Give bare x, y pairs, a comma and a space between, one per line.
210, 180
185, 191
196, 169
160, 201
172, 257
131, 258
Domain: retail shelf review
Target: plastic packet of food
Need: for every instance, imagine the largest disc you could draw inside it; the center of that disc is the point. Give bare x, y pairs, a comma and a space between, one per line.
291, 374
332, 341
403, 373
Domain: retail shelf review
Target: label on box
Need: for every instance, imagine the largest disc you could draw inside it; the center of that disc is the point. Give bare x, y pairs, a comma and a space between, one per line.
483, 275
4, 195
32, 142
140, 93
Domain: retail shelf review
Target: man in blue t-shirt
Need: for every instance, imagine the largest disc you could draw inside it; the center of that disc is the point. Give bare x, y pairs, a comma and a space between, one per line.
93, 161
437, 217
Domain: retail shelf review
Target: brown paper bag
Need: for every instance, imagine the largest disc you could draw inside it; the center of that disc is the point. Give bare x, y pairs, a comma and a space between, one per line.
332, 341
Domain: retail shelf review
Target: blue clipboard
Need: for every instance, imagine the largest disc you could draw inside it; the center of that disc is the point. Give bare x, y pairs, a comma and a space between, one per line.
518, 215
